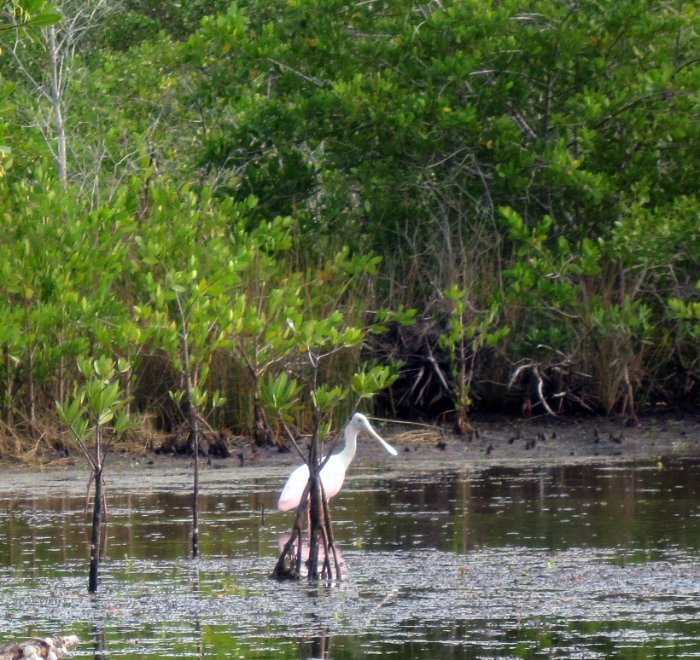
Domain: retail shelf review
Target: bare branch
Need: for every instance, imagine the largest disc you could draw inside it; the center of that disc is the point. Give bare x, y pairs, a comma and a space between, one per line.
286, 67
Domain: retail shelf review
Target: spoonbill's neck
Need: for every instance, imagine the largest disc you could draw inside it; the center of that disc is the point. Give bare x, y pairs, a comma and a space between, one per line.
348, 451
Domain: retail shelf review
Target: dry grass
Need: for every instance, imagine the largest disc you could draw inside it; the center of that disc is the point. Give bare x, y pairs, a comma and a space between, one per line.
412, 432
142, 436
33, 445
50, 442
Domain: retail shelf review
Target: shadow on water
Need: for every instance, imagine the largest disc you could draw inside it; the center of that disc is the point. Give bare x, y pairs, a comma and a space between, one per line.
99, 642
576, 561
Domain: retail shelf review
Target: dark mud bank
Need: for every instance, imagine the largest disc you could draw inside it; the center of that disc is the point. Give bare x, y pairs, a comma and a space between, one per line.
495, 442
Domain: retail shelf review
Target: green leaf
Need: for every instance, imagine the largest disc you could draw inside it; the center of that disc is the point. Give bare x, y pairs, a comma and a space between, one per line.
280, 394
105, 417
326, 397
44, 19
121, 424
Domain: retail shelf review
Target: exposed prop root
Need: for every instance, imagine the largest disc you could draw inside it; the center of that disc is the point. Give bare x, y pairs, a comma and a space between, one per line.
288, 565
302, 554
542, 383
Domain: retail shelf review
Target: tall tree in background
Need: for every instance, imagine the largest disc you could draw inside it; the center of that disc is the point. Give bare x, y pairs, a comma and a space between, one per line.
49, 67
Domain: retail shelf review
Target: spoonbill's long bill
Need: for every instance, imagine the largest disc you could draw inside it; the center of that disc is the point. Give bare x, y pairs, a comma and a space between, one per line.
333, 472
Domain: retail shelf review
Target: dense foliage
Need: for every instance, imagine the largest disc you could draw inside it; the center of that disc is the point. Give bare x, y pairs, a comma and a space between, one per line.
522, 175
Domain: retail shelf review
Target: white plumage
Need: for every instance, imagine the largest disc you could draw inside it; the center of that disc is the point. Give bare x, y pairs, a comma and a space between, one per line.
333, 472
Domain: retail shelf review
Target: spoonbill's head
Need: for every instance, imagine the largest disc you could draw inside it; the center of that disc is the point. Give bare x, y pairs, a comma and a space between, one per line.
360, 423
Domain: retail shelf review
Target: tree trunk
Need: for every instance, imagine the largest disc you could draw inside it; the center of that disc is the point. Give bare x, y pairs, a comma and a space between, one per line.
192, 422
31, 394
9, 387
95, 535
315, 506
315, 517
261, 429
56, 94
127, 390
192, 415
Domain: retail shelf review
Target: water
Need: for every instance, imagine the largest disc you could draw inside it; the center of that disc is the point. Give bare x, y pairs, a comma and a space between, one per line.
569, 562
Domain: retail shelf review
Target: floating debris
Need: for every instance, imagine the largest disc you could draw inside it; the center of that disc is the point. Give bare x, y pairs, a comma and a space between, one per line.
50, 648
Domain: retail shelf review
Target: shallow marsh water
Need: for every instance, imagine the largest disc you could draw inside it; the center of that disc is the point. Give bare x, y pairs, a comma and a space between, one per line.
577, 561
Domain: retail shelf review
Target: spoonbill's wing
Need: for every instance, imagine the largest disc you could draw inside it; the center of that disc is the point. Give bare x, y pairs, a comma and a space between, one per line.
332, 476
293, 489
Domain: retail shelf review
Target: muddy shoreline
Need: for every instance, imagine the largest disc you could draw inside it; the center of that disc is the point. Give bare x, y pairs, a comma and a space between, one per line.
499, 441
496, 442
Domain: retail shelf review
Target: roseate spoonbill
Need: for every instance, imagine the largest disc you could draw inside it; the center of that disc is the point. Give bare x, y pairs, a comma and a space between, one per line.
333, 472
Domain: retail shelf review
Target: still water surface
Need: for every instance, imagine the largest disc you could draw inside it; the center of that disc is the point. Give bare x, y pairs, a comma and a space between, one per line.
571, 562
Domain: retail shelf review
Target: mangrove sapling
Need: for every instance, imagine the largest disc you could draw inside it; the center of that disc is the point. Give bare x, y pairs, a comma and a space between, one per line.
320, 531
281, 397
183, 320
468, 331
312, 508
309, 486
95, 417
192, 407
190, 311
305, 488
260, 342
196, 346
